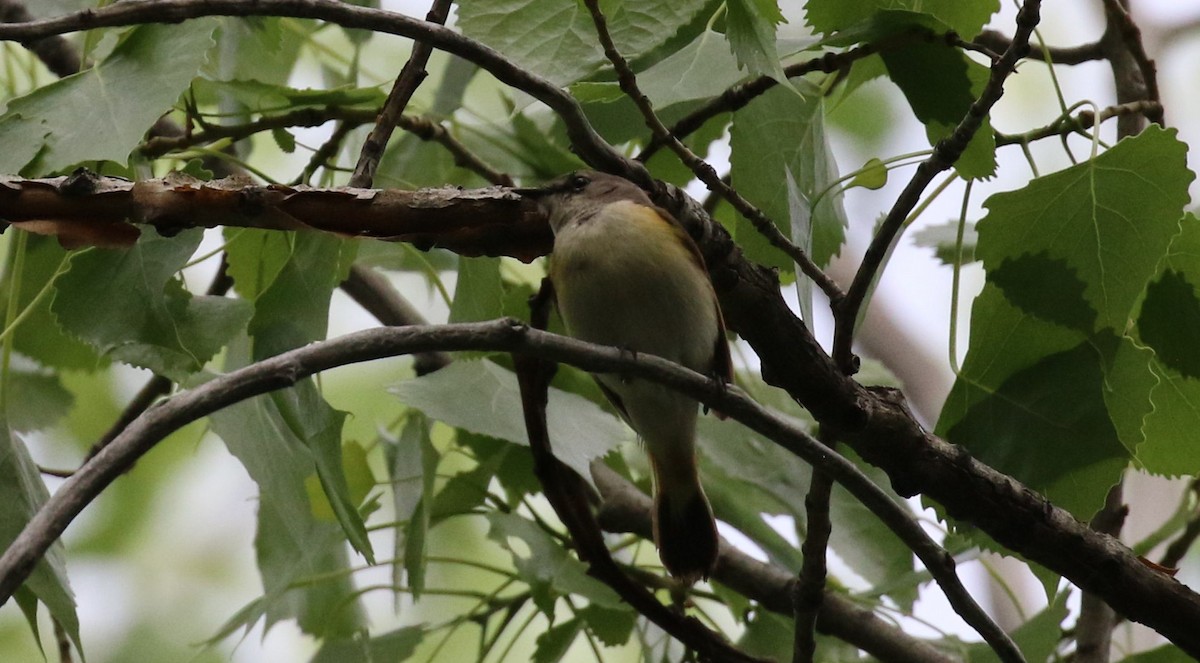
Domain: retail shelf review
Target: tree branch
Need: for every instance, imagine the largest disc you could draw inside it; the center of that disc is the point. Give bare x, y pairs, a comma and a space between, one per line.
411, 76
626, 509
589, 145
1012, 514
447, 217
945, 153
707, 174
810, 584
996, 41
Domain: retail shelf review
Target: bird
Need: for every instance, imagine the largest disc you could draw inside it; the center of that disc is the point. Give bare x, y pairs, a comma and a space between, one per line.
625, 273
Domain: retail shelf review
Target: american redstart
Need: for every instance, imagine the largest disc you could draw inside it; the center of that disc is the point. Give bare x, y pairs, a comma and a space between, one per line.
626, 274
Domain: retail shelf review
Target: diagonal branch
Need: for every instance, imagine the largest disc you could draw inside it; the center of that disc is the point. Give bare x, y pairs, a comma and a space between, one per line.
626, 509
1007, 511
411, 76
703, 170
945, 153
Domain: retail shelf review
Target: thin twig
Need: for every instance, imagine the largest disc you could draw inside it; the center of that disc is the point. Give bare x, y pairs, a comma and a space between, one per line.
737, 96
1119, 21
372, 291
1178, 548
160, 145
810, 585
411, 76
625, 508
586, 141
1082, 121
321, 156
707, 174
945, 153
1094, 628
997, 42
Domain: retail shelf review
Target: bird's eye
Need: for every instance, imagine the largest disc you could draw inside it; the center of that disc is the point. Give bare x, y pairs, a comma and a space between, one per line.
579, 182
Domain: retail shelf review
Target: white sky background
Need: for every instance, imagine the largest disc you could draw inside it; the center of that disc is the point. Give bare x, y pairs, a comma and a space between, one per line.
211, 510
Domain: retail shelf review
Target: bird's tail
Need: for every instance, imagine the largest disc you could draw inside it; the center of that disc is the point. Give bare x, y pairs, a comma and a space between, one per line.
684, 530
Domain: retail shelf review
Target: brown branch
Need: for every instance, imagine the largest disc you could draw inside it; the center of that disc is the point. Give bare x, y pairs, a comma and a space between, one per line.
447, 217
1080, 122
160, 145
998, 42
626, 509
1136, 75
1093, 630
945, 153
411, 76
372, 291
588, 144
1007, 511
703, 170
810, 584
738, 96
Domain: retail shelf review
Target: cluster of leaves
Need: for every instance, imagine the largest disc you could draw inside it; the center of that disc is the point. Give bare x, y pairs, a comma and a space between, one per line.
1081, 359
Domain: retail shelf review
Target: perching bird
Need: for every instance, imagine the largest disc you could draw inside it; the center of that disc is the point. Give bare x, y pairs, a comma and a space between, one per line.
626, 274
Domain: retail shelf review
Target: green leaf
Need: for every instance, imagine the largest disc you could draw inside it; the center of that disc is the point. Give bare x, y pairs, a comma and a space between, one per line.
512, 465
750, 26
129, 305
22, 493
1164, 324
284, 140
768, 635
257, 96
125, 94
558, 39
701, 70
413, 463
397, 645
1030, 402
1110, 220
779, 132
612, 627
940, 84
40, 337
1038, 638
1169, 321
1023, 279
483, 398
742, 471
873, 175
262, 49
36, 398
552, 644
256, 258
293, 544
943, 239
966, 17
543, 563
479, 292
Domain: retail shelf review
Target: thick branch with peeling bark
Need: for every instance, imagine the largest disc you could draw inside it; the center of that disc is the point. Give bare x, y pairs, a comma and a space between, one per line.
447, 218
